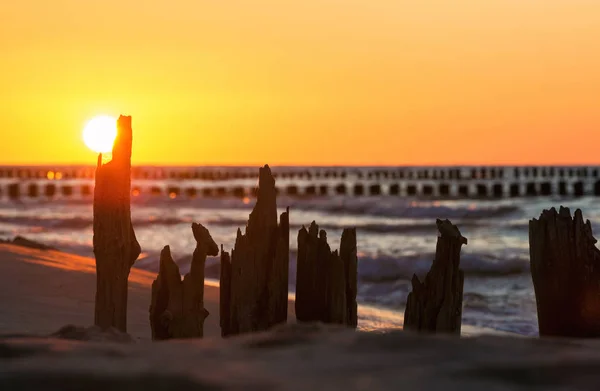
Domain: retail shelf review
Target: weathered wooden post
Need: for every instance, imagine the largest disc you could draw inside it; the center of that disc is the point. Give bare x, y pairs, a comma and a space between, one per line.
254, 280
325, 280
115, 245
225, 294
177, 307
312, 259
435, 305
565, 268
349, 256
166, 303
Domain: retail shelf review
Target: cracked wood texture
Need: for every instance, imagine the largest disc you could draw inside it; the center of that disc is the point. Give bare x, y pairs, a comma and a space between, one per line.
254, 279
435, 305
565, 268
177, 307
115, 245
326, 282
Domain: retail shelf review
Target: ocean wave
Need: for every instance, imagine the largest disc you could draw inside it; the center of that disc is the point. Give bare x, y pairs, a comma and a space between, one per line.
82, 222
403, 208
48, 222
380, 270
386, 269
67, 222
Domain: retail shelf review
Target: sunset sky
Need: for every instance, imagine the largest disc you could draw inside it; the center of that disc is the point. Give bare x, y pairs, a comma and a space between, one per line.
391, 82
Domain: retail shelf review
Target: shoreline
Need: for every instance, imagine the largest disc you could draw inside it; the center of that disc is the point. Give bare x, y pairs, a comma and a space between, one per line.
44, 290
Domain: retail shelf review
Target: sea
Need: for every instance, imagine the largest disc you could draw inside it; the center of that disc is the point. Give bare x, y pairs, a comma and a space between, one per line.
396, 237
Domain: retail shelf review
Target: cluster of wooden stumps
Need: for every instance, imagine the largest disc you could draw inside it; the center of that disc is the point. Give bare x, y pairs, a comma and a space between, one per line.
565, 267
254, 278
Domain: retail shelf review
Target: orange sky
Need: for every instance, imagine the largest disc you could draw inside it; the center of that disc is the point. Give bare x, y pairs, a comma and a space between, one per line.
314, 82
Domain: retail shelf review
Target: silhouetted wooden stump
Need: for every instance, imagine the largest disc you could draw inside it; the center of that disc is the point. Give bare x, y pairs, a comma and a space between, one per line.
325, 280
256, 286
225, 294
177, 307
349, 256
565, 268
435, 305
115, 245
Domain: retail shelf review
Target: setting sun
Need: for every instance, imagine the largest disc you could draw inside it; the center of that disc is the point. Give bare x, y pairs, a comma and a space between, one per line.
99, 133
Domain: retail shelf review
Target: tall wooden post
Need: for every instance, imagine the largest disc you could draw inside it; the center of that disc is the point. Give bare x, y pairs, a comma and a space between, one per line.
115, 245
254, 280
435, 306
565, 268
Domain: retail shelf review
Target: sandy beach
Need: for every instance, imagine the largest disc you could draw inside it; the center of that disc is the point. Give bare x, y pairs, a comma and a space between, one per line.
43, 290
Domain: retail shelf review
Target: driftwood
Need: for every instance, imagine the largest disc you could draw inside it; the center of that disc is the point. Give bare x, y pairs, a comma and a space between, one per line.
254, 280
115, 245
326, 281
565, 268
435, 305
177, 307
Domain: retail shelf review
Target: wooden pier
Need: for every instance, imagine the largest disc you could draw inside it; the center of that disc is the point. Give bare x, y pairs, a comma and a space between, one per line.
420, 182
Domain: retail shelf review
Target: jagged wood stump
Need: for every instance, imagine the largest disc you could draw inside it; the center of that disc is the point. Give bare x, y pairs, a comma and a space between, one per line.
254, 280
565, 268
435, 305
326, 281
177, 307
115, 245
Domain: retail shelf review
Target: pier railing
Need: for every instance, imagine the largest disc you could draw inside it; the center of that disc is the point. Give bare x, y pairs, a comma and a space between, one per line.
422, 182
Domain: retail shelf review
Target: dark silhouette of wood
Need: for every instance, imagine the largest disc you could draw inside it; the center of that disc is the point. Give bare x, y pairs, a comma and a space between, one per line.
115, 245
256, 286
565, 268
348, 254
313, 256
177, 307
435, 305
325, 280
337, 309
225, 294
166, 304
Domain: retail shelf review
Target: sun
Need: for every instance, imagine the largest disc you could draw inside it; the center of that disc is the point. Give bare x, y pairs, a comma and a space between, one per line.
99, 133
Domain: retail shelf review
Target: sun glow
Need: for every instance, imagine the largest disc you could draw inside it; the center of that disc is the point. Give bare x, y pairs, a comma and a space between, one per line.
99, 133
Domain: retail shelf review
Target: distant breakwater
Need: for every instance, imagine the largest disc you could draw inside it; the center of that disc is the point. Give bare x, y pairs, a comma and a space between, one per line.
462, 182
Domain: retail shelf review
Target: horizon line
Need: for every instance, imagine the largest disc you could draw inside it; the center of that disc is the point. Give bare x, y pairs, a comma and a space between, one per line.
212, 165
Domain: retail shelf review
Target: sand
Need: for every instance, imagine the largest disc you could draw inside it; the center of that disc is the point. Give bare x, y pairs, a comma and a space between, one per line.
303, 357
43, 290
